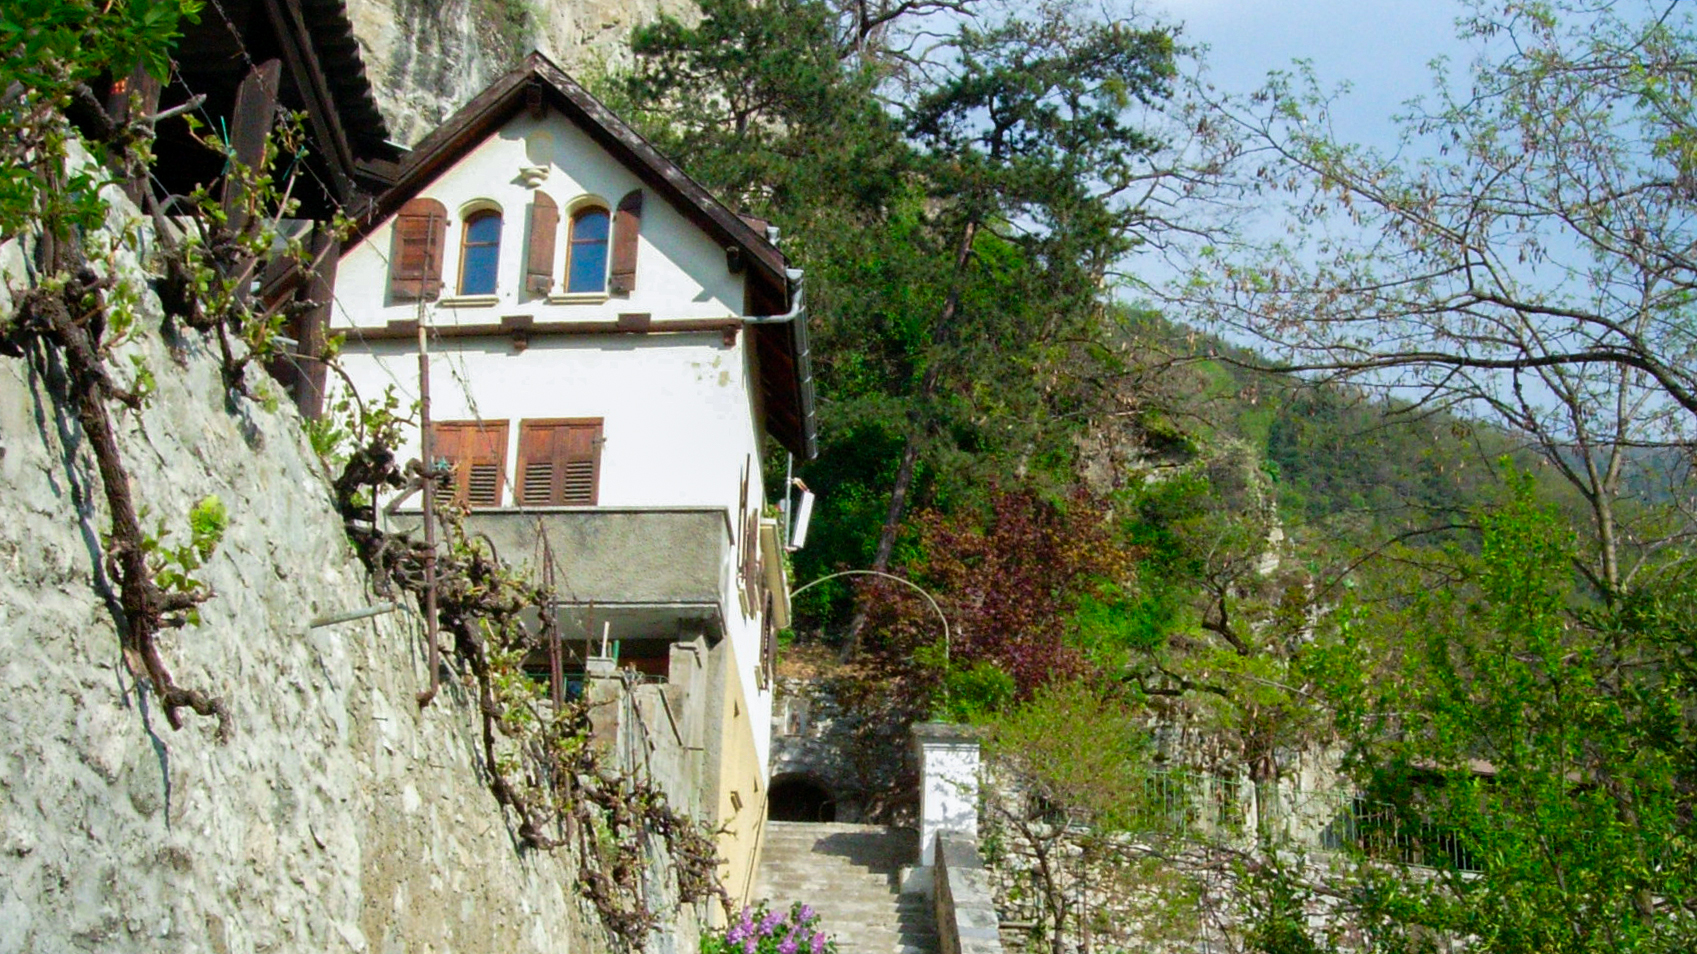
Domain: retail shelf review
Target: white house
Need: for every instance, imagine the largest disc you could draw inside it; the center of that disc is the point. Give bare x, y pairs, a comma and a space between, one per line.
612, 351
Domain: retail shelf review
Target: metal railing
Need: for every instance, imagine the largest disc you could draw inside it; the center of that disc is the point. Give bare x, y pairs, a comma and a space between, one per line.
1201, 807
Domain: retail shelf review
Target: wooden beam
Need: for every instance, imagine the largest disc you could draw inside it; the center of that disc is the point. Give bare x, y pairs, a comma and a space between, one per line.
256, 107
308, 74
320, 289
133, 97
406, 330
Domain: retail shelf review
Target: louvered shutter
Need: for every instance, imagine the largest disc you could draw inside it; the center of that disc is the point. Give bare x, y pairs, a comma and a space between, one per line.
477, 450
627, 225
559, 463
544, 226
415, 259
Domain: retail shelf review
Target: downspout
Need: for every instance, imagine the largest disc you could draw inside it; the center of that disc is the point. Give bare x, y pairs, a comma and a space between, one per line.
796, 318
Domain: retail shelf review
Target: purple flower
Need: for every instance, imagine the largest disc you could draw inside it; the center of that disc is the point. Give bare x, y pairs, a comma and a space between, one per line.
788, 945
804, 914
818, 944
749, 945
769, 922
738, 932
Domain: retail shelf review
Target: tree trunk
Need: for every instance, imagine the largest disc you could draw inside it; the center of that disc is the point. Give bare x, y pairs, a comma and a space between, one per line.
922, 426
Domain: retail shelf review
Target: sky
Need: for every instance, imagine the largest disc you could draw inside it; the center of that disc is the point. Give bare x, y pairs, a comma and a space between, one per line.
1382, 47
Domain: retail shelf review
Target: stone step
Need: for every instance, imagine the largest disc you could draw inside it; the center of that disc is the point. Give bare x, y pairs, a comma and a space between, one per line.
850, 874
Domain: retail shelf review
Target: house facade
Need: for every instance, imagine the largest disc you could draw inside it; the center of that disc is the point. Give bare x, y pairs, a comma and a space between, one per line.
612, 354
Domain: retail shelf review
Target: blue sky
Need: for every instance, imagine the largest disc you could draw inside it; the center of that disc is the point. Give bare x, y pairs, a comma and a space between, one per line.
1381, 47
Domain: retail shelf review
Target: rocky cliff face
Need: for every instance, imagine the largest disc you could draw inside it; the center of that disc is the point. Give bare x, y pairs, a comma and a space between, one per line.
339, 817
426, 58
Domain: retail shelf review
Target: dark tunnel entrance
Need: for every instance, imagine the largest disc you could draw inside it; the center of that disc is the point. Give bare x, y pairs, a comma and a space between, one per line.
799, 798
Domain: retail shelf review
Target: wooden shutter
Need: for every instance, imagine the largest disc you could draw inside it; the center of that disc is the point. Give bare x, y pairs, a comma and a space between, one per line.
627, 225
559, 463
753, 583
478, 452
544, 225
415, 260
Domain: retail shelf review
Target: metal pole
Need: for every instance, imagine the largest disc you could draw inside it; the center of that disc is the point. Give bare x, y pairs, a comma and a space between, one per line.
551, 628
331, 619
888, 576
426, 448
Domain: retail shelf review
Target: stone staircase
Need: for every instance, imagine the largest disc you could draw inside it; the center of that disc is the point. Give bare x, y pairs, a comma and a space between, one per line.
851, 875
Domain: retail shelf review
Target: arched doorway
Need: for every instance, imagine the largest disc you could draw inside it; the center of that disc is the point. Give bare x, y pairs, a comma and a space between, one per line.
799, 798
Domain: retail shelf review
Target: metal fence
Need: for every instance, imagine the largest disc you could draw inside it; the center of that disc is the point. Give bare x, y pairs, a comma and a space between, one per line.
1194, 806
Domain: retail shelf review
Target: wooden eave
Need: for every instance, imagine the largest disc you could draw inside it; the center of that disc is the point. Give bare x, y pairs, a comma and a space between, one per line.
324, 76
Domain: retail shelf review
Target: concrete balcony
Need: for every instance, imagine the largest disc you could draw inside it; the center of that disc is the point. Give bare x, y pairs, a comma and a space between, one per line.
647, 569
618, 555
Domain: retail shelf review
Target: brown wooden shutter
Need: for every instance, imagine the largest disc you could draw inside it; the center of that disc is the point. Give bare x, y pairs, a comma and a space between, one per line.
627, 225
559, 463
478, 452
544, 226
415, 260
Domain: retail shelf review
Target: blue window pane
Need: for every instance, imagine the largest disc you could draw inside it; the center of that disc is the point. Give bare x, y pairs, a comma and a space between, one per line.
480, 254
586, 266
589, 268
483, 230
477, 277
589, 226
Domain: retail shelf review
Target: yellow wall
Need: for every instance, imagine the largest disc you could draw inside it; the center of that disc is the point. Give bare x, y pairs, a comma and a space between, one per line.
740, 802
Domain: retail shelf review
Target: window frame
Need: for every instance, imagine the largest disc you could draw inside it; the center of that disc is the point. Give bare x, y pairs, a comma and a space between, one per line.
572, 243
471, 218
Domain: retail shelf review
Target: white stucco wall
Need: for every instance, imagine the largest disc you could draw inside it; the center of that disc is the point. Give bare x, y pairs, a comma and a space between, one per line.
677, 418
948, 785
681, 271
678, 409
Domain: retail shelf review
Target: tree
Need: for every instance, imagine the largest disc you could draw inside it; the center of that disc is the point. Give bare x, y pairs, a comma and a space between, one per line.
1073, 767
1013, 586
1534, 748
1029, 154
1525, 256
956, 242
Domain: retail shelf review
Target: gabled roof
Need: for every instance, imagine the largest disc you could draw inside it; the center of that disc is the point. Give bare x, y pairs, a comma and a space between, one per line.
539, 81
778, 339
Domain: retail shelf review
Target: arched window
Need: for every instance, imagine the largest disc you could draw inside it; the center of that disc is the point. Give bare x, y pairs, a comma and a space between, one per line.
586, 253
480, 253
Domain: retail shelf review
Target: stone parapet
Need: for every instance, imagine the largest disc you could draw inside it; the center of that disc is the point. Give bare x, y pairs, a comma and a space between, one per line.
965, 904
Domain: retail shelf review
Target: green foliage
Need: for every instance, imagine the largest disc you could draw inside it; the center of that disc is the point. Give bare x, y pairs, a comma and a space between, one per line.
174, 567
973, 693
1279, 916
351, 423
955, 239
48, 48
1547, 739
1081, 748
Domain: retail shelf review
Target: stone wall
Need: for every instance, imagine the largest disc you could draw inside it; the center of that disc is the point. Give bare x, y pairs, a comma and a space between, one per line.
339, 817
426, 58
861, 755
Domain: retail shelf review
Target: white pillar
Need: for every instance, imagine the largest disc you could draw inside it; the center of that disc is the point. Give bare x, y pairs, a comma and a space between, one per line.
948, 783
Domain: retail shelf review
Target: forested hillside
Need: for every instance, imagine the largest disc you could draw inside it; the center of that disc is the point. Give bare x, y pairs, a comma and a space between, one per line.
1408, 485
